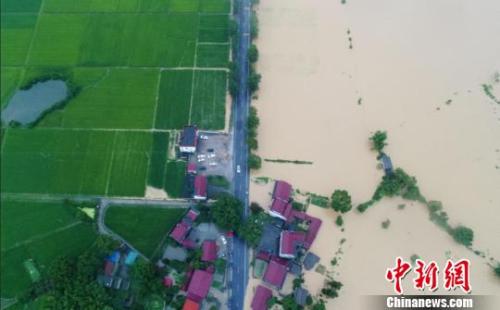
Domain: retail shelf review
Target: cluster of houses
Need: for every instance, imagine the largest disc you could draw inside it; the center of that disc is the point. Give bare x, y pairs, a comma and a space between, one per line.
284, 247
188, 144
116, 269
198, 281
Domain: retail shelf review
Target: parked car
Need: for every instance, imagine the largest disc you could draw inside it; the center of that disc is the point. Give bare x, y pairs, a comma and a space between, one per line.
238, 169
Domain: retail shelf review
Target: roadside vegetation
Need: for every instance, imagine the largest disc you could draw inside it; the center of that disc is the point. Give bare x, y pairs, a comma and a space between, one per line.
287, 161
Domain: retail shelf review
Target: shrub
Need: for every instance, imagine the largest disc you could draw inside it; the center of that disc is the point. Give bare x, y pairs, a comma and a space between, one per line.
341, 201
497, 270
253, 54
463, 235
339, 221
386, 224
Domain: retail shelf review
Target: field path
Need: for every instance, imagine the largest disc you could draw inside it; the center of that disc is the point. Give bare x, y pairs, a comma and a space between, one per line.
42, 236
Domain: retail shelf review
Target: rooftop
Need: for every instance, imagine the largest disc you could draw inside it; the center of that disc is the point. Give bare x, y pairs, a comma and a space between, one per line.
209, 248
200, 186
179, 232
282, 190
281, 209
199, 285
290, 243
189, 136
275, 273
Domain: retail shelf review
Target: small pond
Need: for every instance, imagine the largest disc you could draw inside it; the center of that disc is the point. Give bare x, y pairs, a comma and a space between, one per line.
26, 106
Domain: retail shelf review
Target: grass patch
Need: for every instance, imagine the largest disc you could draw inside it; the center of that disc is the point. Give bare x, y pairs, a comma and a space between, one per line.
157, 165
143, 226
174, 99
219, 181
214, 28
17, 6
175, 178
209, 99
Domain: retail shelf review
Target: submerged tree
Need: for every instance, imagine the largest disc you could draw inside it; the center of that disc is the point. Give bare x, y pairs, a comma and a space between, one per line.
463, 235
254, 161
341, 201
378, 140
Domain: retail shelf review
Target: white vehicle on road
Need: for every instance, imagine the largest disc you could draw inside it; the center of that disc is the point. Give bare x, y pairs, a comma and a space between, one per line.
204, 137
238, 169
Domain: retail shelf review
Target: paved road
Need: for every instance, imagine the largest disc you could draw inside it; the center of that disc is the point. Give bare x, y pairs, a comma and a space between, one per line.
240, 115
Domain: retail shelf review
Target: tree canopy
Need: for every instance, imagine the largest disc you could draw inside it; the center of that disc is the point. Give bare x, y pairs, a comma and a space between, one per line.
227, 212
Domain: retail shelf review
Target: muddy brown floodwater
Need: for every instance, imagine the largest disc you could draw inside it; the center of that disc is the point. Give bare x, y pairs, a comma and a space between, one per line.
415, 69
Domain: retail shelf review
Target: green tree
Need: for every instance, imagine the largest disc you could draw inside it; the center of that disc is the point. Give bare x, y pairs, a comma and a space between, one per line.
227, 212
254, 80
251, 230
378, 140
288, 303
254, 25
463, 235
253, 54
341, 201
254, 161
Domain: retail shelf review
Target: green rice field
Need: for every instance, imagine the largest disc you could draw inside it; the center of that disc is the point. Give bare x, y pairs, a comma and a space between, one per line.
145, 227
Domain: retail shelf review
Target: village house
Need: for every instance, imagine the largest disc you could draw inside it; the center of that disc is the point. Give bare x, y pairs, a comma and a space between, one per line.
261, 297
209, 251
182, 229
200, 187
198, 287
189, 139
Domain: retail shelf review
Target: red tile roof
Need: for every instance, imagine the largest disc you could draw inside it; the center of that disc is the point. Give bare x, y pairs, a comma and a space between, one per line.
312, 231
209, 248
189, 244
192, 214
283, 208
179, 232
191, 168
190, 305
109, 268
275, 273
261, 297
200, 186
282, 190
264, 256
289, 241
199, 285
167, 281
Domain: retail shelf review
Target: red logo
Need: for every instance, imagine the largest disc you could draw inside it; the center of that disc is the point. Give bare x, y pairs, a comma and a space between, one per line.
456, 274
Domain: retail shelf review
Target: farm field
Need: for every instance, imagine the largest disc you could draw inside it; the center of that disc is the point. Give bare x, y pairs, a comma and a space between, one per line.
52, 229
144, 227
